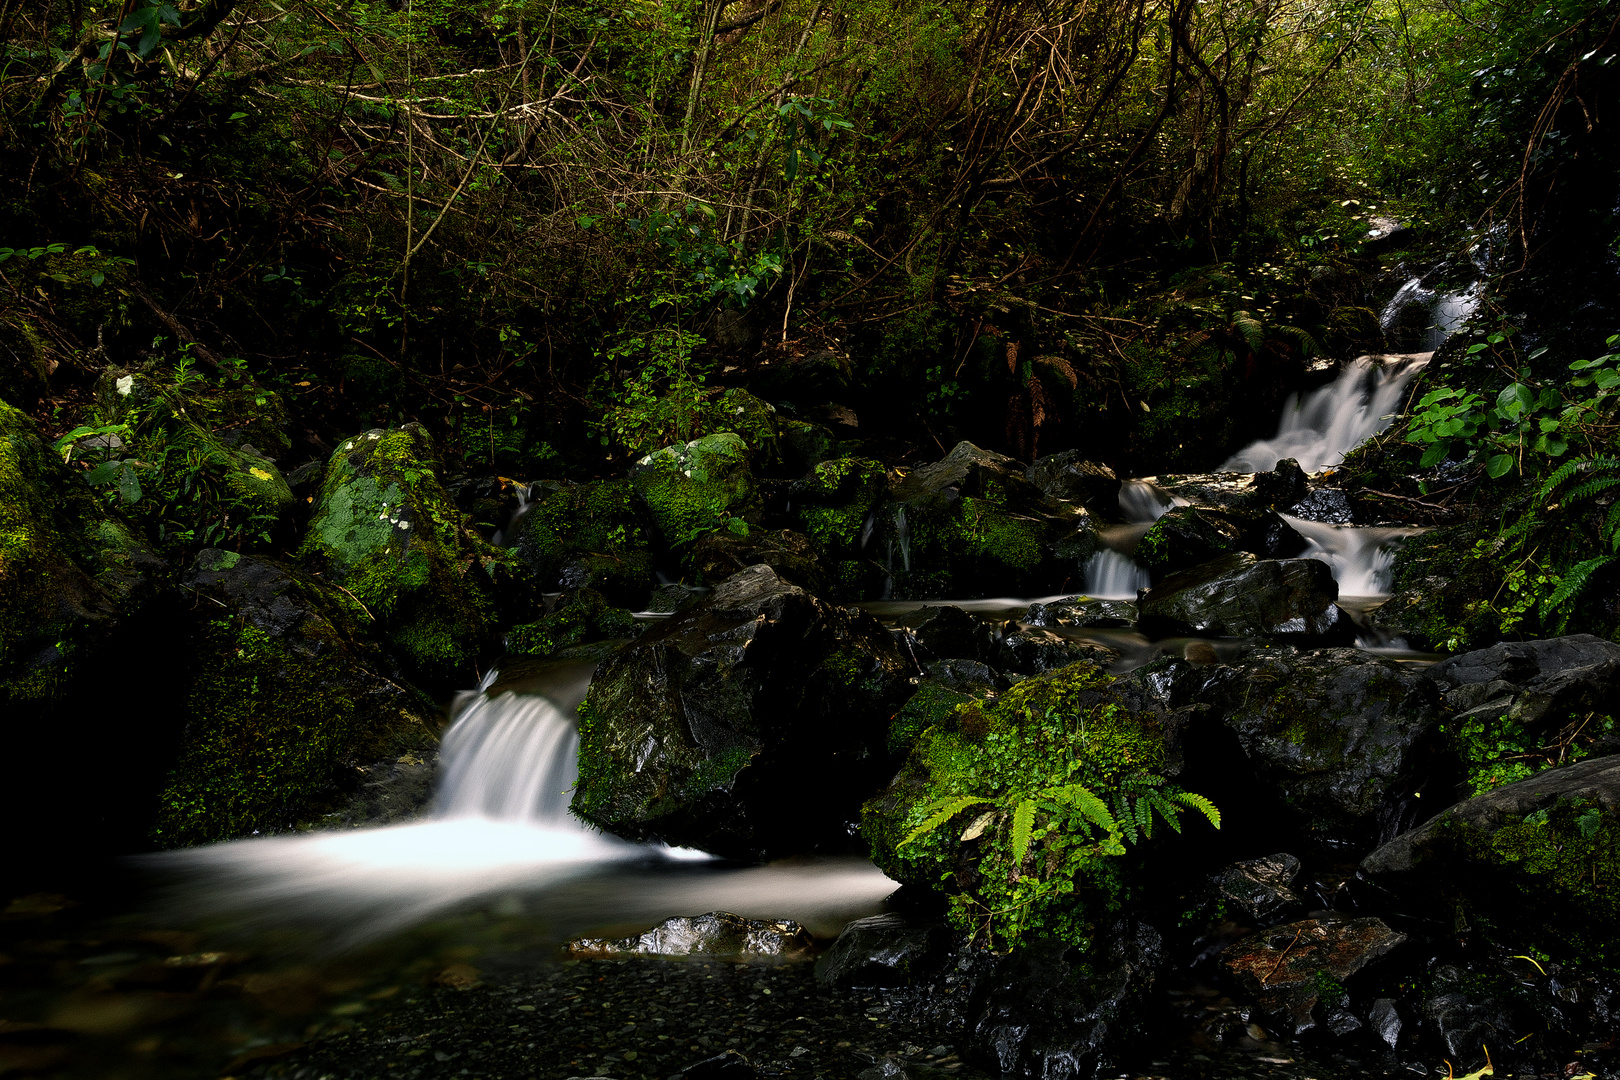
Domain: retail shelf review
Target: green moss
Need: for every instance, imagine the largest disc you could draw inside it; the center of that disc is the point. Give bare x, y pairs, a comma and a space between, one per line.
989, 532
584, 617
934, 703
1046, 733
385, 530
695, 488
755, 421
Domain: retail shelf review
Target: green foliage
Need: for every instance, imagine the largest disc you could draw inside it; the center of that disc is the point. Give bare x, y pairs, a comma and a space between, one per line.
1501, 750
1062, 782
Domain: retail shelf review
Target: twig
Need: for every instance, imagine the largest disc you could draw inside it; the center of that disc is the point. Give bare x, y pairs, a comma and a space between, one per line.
1283, 957
1404, 498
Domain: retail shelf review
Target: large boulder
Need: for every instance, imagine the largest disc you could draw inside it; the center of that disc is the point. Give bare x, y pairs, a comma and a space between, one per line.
884, 950
695, 488
972, 525
1188, 535
1533, 863
1341, 735
385, 531
575, 536
751, 723
286, 700
1289, 969
1241, 595
1068, 476
720, 555
1521, 706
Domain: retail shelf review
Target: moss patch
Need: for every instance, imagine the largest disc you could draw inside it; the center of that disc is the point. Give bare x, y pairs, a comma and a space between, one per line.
579, 618
696, 488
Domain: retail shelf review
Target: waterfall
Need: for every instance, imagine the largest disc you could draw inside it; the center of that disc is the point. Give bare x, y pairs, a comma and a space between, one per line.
1113, 575
1362, 558
1319, 429
1141, 501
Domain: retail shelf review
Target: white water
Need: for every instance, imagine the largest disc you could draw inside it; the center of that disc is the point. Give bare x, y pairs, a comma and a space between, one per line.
1447, 310
1362, 558
1320, 428
501, 827
1113, 575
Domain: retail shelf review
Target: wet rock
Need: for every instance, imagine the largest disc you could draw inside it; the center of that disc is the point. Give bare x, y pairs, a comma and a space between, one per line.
1247, 493
1438, 585
966, 675
386, 531
884, 950
1385, 1019
945, 632
1289, 969
284, 693
1239, 595
720, 555
390, 791
1034, 651
1053, 1011
576, 536
580, 616
1549, 846
1070, 477
729, 1065
717, 934
1467, 1027
1328, 505
1082, 612
697, 487
972, 525
1261, 888
751, 723
673, 596
1186, 536
1338, 733
804, 445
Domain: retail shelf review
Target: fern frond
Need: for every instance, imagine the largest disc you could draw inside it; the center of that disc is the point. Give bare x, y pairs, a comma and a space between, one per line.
1201, 337
1023, 825
1122, 814
1199, 803
1081, 798
1611, 526
1308, 345
1590, 488
1249, 329
1144, 813
1568, 469
939, 812
1574, 583
1062, 367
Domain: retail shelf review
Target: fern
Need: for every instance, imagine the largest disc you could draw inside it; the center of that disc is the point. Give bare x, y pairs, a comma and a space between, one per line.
1308, 345
939, 812
1568, 469
1572, 584
1082, 799
1250, 330
1194, 801
1023, 825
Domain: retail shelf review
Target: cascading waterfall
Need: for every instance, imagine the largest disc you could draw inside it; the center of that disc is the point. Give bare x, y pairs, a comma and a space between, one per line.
1320, 428
1114, 575
1362, 558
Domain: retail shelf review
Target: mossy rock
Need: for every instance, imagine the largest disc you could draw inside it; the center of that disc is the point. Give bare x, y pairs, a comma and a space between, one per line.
1534, 864
696, 487
593, 535
285, 697
70, 569
756, 423
580, 617
833, 501
949, 820
720, 555
750, 724
384, 530
804, 445
1443, 588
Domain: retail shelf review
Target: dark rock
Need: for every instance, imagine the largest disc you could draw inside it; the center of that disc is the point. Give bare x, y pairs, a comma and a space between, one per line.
1548, 847
823, 375
884, 950
1239, 595
1385, 1019
1080, 612
969, 676
1033, 651
1386, 234
804, 445
577, 536
1261, 888
717, 934
944, 632
1468, 1027
285, 692
1052, 1011
721, 555
1247, 493
1069, 477
1331, 506
1186, 536
672, 597
832, 504
579, 617
386, 531
1338, 733
751, 723
729, 1065
390, 791
1286, 969
1438, 585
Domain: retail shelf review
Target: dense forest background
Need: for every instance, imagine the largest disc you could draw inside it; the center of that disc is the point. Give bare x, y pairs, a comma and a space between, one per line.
550, 231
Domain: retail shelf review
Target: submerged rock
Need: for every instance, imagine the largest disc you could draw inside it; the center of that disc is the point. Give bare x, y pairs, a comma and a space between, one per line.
1239, 595
719, 934
591, 535
1549, 847
285, 697
884, 950
1339, 734
751, 723
1289, 969
384, 530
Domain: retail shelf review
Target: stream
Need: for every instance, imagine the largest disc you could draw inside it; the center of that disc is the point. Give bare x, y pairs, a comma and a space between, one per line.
310, 933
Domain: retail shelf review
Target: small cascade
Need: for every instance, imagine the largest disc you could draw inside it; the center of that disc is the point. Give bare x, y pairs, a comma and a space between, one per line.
1141, 501
1320, 428
1113, 575
525, 500
1362, 558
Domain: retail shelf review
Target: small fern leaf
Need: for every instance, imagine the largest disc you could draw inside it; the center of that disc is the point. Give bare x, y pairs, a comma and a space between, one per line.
1568, 469
1023, 825
1122, 814
1081, 798
1250, 330
939, 812
1574, 582
1199, 803
1592, 487
1144, 814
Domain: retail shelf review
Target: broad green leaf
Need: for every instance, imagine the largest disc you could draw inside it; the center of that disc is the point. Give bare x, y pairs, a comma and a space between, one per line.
129, 488
1498, 465
1435, 454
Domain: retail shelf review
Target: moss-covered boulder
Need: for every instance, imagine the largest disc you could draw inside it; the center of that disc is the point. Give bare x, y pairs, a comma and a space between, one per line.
384, 530
1240, 595
1340, 736
696, 487
756, 422
1020, 808
576, 536
1444, 583
1188, 535
971, 525
832, 504
752, 723
286, 699
1533, 864
579, 618
804, 444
